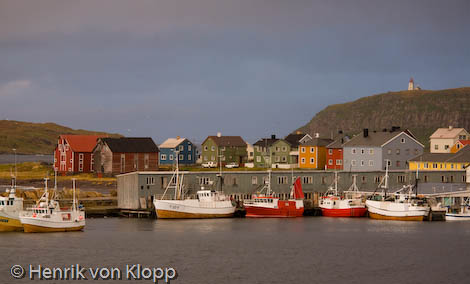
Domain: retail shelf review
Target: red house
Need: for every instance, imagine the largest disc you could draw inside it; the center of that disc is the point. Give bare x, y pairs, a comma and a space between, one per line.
74, 153
334, 154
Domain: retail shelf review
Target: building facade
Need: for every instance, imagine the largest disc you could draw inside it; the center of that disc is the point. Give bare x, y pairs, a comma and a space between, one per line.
73, 153
442, 140
224, 149
123, 155
180, 148
442, 161
312, 154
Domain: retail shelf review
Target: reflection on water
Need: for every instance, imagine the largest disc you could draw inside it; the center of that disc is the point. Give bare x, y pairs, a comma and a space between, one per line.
300, 250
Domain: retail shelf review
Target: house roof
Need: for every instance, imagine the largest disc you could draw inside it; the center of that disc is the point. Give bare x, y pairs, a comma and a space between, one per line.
266, 142
131, 145
319, 142
446, 133
81, 143
172, 142
229, 141
294, 139
464, 142
377, 138
462, 156
338, 142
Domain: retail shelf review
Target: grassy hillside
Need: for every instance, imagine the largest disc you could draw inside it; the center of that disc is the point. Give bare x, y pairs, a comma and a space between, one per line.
421, 111
34, 138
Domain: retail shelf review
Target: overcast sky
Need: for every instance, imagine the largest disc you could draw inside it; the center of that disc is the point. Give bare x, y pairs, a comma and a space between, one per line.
196, 67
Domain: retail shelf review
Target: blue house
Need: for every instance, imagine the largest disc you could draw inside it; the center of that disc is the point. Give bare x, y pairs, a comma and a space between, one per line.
185, 149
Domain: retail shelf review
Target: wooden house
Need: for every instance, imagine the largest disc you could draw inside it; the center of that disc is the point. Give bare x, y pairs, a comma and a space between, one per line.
124, 155
74, 153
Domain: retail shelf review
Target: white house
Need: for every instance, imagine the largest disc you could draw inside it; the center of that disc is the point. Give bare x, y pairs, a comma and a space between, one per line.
443, 139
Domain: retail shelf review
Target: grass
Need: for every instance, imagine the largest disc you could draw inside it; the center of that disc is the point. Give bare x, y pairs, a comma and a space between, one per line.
34, 170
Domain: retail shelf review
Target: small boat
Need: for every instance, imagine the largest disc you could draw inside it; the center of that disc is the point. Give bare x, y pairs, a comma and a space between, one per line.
462, 213
268, 205
10, 208
48, 216
332, 204
209, 203
402, 205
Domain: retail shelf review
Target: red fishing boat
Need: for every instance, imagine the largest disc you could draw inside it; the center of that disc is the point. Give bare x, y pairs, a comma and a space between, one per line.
268, 205
349, 205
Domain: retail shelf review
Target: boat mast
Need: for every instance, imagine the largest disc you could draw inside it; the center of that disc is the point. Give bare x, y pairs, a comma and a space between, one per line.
177, 191
74, 202
385, 185
336, 183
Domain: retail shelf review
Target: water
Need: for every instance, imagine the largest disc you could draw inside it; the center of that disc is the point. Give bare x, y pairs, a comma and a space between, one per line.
301, 250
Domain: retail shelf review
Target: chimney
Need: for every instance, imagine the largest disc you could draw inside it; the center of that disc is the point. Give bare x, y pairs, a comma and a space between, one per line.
178, 138
450, 127
273, 136
298, 132
219, 134
317, 135
366, 132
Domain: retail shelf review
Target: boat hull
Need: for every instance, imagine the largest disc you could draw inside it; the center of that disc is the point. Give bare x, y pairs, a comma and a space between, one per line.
285, 209
10, 224
345, 212
386, 210
192, 209
28, 228
457, 217
39, 225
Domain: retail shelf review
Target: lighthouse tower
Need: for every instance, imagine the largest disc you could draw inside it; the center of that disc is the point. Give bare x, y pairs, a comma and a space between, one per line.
411, 85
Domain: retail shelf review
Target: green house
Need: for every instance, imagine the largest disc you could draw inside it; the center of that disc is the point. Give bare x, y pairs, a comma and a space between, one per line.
229, 149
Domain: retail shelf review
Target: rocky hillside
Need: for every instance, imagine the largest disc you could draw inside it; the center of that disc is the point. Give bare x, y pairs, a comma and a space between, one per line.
421, 111
34, 138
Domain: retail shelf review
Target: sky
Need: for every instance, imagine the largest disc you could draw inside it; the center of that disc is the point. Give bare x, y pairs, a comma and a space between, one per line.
192, 68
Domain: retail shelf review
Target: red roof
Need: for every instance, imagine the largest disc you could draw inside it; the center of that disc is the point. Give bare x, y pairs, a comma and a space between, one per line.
81, 143
464, 142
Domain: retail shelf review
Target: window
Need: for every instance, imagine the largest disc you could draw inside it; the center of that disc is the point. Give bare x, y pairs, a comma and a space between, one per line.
312, 160
425, 165
389, 151
278, 159
353, 162
205, 158
339, 162
362, 163
312, 149
371, 151
278, 149
265, 180
204, 180
389, 163
464, 178
171, 157
284, 158
189, 147
80, 162
446, 147
371, 163
206, 148
323, 180
302, 160
403, 140
307, 180
282, 180
92, 163
222, 148
136, 161
364, 179
302, 149
443, 179
123, 163
181, 147
284, 149
212, 158
258, 159
401, 179
398, 151
434, 165
213, 148
353, 151
234, 181
254, 180
363, 151
189, 157
330, 162
330, 151
398, 163
146, 161
425, 178
181, 157
150, 181
436, 147
377, 179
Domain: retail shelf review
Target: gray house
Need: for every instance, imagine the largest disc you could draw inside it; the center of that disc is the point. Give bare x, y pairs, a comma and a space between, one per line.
371, 150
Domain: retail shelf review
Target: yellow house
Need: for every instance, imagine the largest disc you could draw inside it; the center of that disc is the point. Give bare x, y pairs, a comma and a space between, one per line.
312, 154
441, 161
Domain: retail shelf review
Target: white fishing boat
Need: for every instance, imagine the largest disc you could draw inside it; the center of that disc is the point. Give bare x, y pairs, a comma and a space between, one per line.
402, 205
462, 213
208, 204
10, 208
48, 216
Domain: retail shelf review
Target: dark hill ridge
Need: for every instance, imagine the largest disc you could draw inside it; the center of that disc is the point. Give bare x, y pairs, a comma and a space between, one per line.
421, 111
35, 138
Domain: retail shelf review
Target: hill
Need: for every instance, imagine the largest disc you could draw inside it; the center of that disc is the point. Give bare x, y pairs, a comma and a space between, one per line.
35, 138
421, 111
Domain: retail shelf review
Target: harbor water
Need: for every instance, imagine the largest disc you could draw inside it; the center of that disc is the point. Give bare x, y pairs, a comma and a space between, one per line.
297, 250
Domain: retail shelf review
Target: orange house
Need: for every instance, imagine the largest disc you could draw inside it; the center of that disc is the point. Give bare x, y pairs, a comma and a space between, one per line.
312, 154
459, 145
